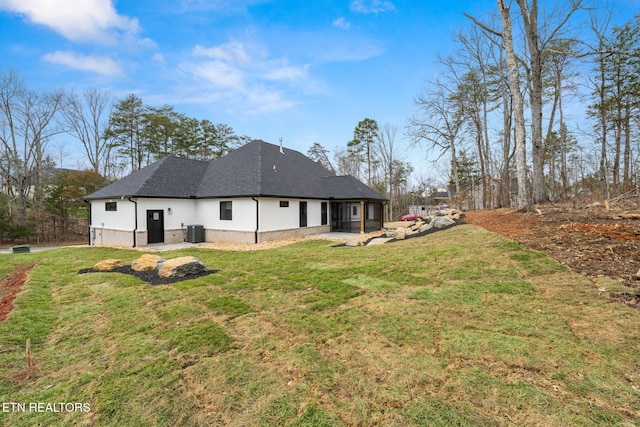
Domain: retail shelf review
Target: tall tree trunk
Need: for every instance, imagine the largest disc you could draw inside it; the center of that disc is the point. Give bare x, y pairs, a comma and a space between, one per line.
522, 200
602, 116
530, 19
454, 169
563, 152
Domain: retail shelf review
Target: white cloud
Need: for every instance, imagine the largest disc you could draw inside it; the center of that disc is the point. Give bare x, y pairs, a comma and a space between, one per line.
372, 6
341, 23
219, 74
245, 75
233, 51
159, 58
78, 20
287, 73
97, 64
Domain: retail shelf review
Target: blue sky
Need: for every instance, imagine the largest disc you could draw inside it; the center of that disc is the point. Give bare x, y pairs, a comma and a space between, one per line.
306, 71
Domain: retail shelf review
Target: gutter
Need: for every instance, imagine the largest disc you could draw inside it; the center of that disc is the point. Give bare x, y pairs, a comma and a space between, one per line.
135, 229
255, 238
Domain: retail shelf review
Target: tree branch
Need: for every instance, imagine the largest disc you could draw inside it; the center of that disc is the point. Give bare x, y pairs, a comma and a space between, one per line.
483, 26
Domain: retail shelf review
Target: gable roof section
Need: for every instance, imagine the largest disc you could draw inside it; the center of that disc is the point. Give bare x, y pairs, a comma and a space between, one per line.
255, 169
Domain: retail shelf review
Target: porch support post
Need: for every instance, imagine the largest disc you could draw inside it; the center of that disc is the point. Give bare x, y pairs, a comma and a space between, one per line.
361, 216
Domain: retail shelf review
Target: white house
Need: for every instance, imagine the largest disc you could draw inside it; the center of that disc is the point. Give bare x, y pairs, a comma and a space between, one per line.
257, 193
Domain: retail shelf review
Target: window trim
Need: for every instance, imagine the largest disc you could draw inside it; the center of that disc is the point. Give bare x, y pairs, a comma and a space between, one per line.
226, 210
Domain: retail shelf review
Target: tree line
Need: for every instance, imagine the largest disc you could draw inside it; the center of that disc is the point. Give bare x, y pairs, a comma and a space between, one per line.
117, 137
498, 112
528, 109
373, 156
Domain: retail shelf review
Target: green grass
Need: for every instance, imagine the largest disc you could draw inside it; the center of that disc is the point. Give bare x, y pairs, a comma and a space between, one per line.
462, 327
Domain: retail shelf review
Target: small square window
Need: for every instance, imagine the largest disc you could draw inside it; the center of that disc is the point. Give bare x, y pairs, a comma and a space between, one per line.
225, 211
284, 203
111, 206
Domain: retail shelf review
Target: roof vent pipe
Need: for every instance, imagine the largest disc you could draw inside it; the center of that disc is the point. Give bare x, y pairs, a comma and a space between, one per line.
281, 152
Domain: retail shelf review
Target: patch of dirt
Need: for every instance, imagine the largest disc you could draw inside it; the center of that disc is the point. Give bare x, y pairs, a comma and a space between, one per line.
10, 287
150, 277
589, 239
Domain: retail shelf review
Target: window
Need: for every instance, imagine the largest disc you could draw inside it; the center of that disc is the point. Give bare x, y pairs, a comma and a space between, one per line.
354, 210
323, 213
111, 206
225, 211
284, 203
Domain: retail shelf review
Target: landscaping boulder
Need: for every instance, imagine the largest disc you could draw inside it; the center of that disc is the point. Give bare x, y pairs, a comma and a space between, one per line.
454, 214
416, 226
147, 262
442, 221
108, 265
401, 233
181, 267
426, 227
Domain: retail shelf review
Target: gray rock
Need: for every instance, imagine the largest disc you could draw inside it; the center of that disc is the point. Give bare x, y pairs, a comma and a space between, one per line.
442, 221
426, 227
180, 267
401, 233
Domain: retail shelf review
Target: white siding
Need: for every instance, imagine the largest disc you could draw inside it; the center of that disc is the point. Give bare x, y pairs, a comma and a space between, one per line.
273, 217
183, 212
116, 227
243, 213
314, 213
121, 219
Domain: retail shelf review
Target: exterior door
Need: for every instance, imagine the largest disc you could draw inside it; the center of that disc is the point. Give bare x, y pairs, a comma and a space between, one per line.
341, 217
303, 214
155, 226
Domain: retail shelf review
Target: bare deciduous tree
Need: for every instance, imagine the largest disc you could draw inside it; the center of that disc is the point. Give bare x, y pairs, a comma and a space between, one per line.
438, 124
86, 119
522, 199
26, 120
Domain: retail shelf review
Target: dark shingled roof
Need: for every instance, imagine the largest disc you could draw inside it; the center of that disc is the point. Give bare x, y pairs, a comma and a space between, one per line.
255, 169
168, 177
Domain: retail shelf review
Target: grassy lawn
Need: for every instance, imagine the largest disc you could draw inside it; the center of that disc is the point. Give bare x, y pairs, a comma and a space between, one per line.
462, 327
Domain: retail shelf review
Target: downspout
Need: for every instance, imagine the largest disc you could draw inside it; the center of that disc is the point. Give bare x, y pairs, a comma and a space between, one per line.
135, 229
257, 219
89, 224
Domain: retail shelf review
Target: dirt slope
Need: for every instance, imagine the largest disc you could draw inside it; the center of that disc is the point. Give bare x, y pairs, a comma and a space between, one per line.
588, 240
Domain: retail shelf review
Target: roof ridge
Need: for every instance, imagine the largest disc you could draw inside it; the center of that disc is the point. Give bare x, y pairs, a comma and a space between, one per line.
158, 165
171, 161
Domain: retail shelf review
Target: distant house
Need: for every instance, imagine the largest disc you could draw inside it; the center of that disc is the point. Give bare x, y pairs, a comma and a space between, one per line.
417, 207
430, 203
257, 193
440, 197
